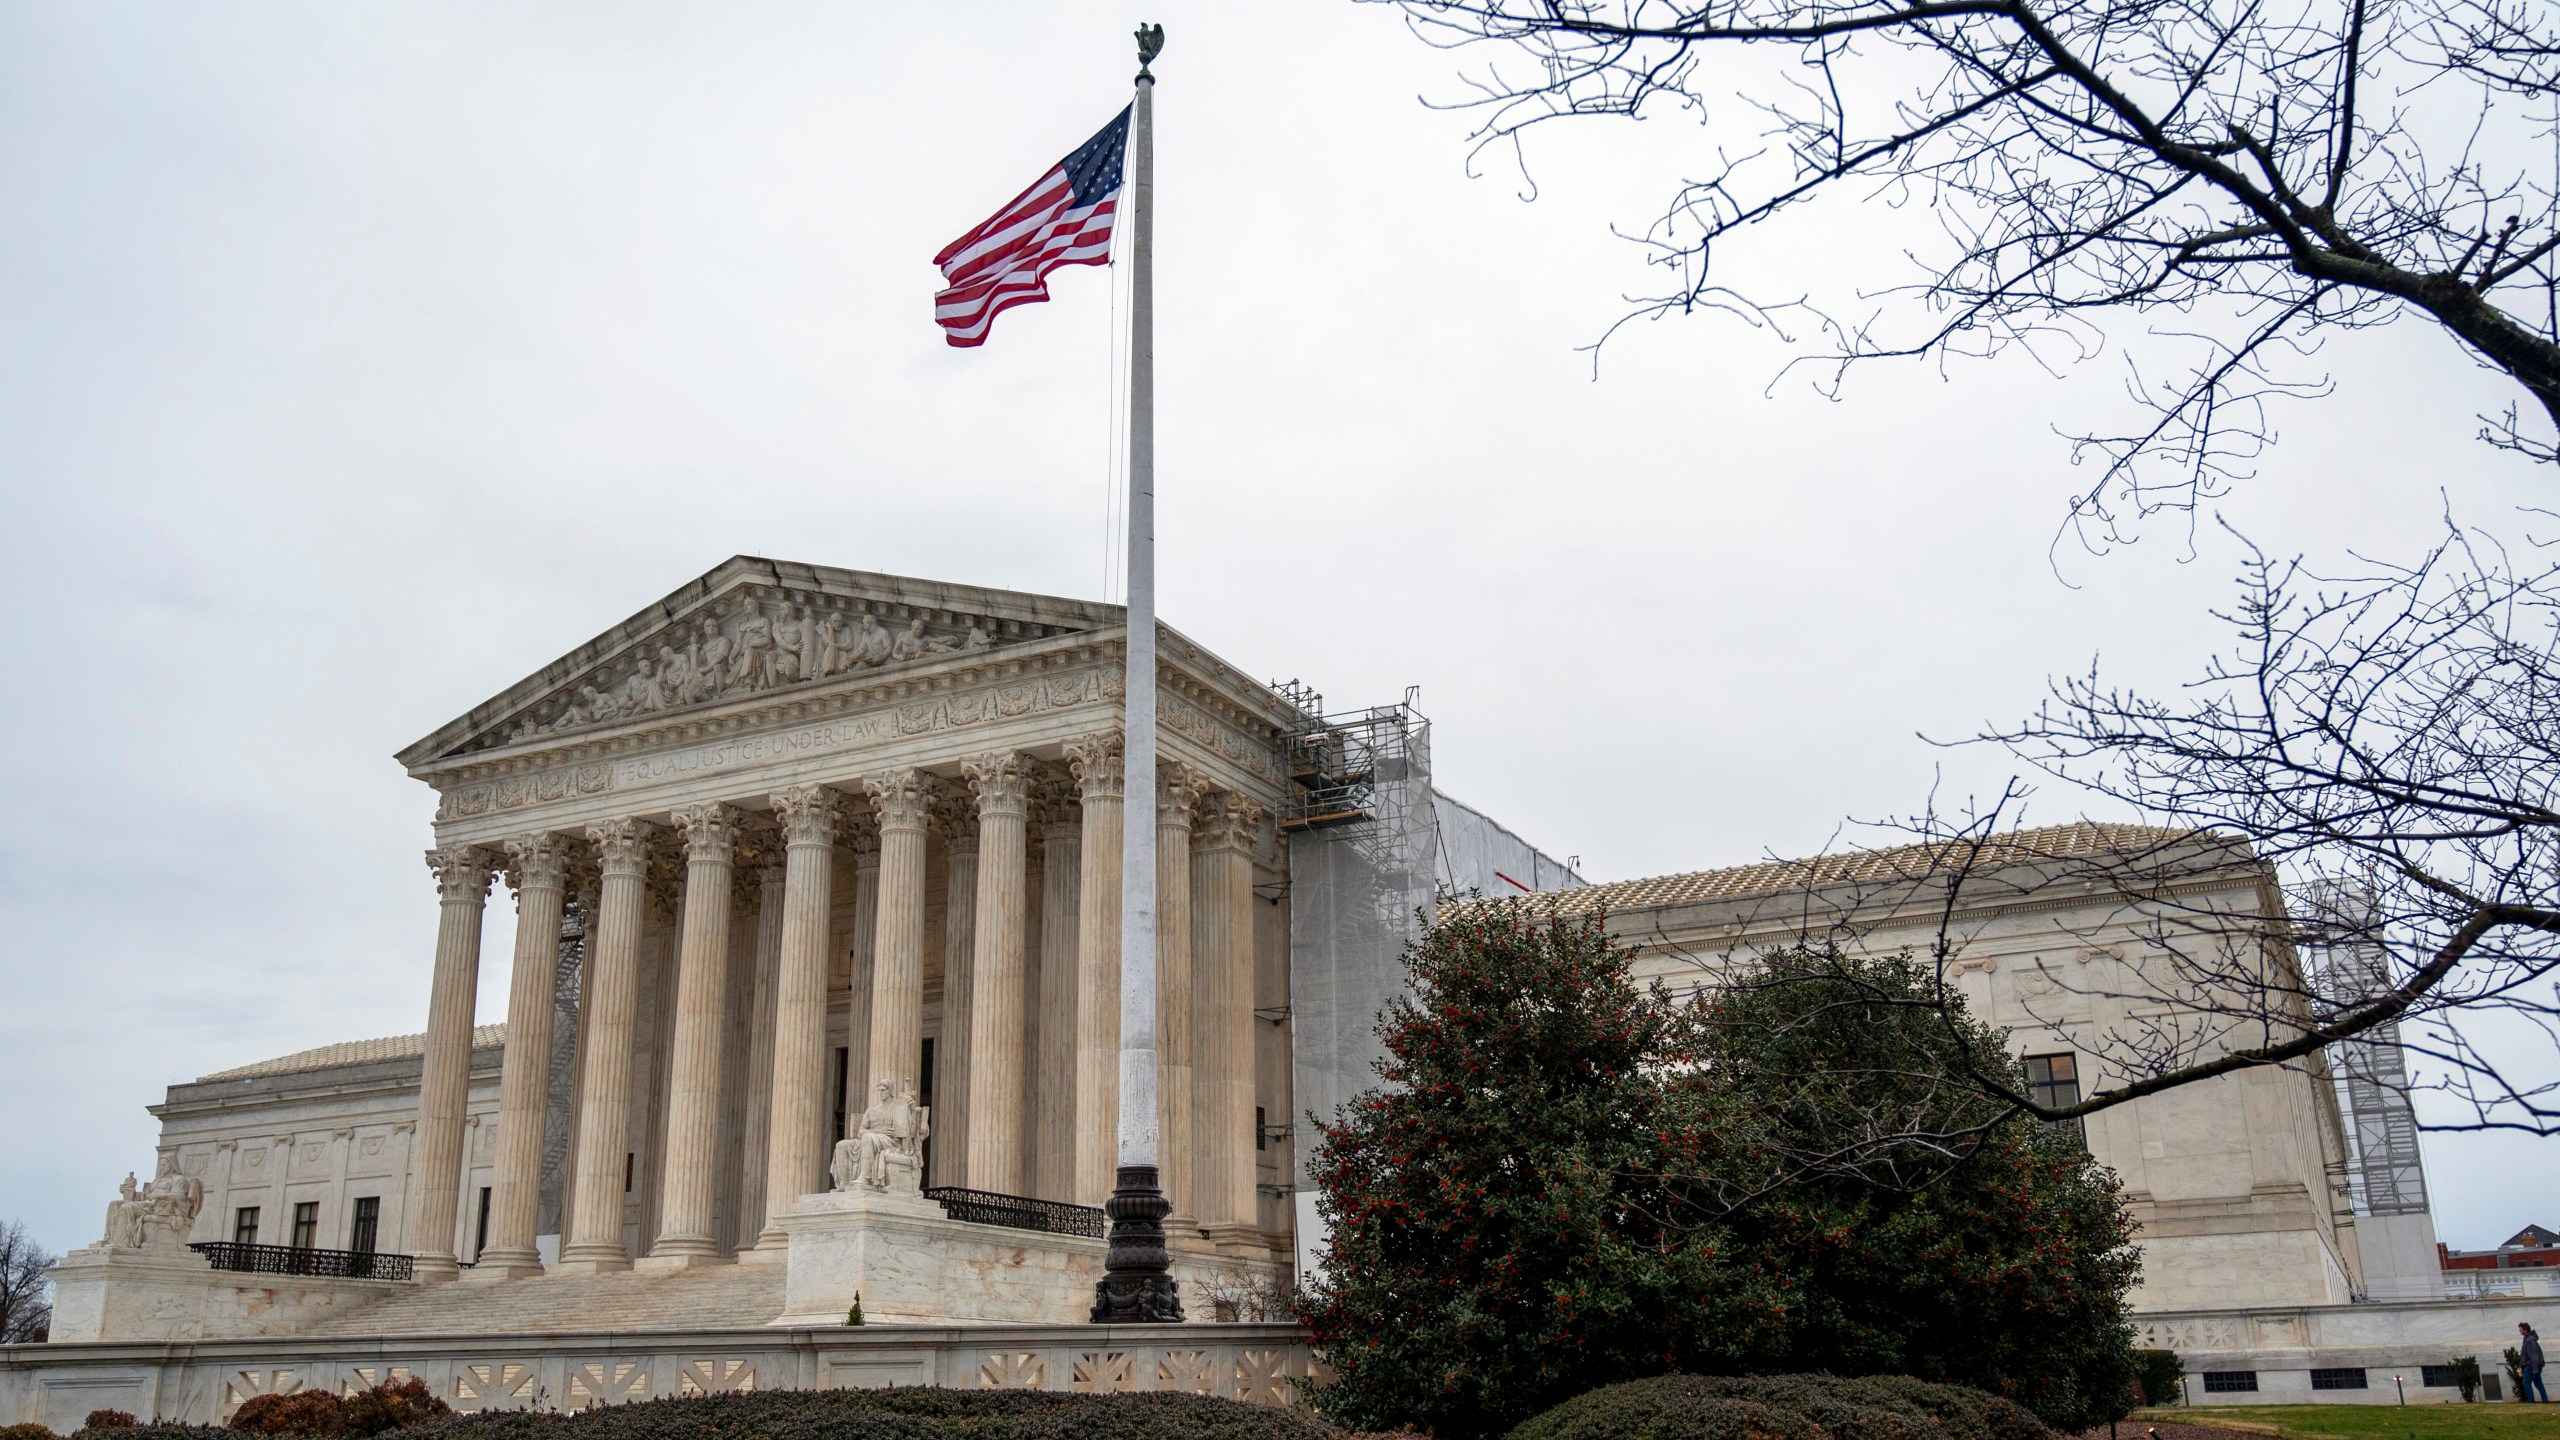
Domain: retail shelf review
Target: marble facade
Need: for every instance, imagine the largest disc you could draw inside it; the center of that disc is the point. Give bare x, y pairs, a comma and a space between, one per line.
799, 805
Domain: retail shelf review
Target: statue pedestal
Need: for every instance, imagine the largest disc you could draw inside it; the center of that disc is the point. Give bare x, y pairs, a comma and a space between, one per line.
915, 1266
167, 1292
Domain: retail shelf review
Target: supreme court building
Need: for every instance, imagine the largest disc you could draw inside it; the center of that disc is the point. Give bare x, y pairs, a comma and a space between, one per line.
814, 997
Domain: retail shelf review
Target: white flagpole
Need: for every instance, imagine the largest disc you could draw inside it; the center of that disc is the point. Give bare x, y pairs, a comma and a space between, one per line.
1138, 833
1135, 1286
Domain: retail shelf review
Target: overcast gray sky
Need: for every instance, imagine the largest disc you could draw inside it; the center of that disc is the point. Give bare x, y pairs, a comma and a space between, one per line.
357, 359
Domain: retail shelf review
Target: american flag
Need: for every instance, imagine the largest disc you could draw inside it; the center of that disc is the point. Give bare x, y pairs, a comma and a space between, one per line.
1063, 219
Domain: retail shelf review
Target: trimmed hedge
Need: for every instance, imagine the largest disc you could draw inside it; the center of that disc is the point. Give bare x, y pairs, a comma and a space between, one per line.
918, 1413
1783, 1407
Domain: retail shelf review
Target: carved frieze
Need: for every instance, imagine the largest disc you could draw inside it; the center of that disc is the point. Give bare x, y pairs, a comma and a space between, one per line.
755, 640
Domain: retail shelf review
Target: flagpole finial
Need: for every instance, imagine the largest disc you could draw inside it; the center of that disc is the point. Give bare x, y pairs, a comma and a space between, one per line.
1150, 45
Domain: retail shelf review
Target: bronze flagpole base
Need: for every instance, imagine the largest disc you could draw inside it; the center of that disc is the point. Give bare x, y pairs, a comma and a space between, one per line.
1137, 1285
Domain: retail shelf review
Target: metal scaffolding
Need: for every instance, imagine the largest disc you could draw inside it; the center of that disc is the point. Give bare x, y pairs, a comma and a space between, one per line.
2342, 949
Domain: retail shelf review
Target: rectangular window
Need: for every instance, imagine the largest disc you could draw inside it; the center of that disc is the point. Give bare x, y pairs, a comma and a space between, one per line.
630, 1169
844, 1084
2230, 1382
924, 1068
244, 1225
306, 1224
2053, 1081
2337, 1379
368, 1224
2438, 1377
1261, 1141
480, 1239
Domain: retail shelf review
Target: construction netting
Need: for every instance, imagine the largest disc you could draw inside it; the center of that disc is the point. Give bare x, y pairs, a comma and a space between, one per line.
1372, 849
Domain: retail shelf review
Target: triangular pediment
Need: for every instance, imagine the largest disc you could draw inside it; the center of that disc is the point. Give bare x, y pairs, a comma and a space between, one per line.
752, 628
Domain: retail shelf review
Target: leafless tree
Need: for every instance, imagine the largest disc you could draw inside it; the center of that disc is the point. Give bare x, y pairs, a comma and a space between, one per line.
26, 1315
2246, 178
2350, 860
2387, 745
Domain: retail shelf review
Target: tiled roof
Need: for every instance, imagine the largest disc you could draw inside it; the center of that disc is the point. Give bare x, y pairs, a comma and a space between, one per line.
353, 1052
1902, 862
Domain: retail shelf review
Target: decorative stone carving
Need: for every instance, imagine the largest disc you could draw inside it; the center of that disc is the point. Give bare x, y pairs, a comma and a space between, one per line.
756, 640
462, 872
540, 861
157, 1215
955, 814
1095, 761
1179, 788
859, 832
887, 1151
1228, 821
621, 846
809, 814
710, 831
1002, 781
1053, 801
903, 799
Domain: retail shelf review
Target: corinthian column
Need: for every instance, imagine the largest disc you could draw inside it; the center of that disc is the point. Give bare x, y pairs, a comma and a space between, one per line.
1096, 763
1054, 1119
862, 837
690, 1176
955, 815
797, 1122
902, 800
594, 1242
755, 1143
444, 1074
1178, 789
1000, 1006
541, 866
1223, 1043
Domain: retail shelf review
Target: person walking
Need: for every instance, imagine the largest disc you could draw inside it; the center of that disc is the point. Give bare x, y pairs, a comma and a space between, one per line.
2529, 1386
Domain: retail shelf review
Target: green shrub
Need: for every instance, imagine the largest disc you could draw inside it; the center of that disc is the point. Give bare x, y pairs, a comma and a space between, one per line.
28, 1431
2158, 1377
1569, 1181
1783, 1407
919, 1413
108, 1420
2466, 1376
303, 1412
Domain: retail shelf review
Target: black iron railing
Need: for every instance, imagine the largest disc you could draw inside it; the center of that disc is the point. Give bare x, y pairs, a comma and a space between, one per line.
1019, 1212
295, 1260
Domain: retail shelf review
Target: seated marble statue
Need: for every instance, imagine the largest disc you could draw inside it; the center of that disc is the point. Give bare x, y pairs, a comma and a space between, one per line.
889, 1140
160, 1213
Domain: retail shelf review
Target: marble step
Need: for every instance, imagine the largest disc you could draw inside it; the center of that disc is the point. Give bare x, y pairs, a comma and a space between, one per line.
714, 1297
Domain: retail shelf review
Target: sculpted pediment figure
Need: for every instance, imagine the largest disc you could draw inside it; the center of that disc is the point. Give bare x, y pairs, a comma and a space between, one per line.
746, 635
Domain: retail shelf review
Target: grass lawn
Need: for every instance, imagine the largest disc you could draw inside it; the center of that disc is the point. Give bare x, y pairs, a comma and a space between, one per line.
2484, 1421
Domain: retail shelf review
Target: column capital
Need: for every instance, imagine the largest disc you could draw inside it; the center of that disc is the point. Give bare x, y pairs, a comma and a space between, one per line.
1096, 762
1178, 789
1002, 781
860, 833
1229, 821
810, 814
901, 798
955, 814
1053, 803
622, 846
540, 861
462, 871
710, 831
